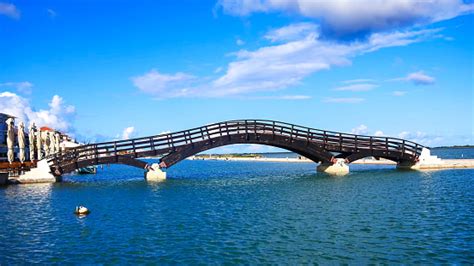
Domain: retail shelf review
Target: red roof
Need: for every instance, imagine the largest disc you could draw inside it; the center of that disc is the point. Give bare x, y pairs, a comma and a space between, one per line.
46, 129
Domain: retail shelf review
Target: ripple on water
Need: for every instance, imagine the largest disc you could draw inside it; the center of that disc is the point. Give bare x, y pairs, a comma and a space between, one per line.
247, 213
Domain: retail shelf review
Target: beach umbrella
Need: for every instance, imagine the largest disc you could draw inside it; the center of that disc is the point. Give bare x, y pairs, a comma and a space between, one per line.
46, 143
51, 142
31, 137
21, 141
39, 141
57, 140
10, 138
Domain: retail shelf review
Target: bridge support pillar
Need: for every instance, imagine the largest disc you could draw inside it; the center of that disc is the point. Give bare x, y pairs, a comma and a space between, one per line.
338, 168
154, 173
40, 174
425, 161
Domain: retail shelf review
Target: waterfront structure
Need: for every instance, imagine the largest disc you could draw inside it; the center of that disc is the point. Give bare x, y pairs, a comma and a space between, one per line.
21, 151
10, 139
21, 142
32, 142
3, 136
333, 150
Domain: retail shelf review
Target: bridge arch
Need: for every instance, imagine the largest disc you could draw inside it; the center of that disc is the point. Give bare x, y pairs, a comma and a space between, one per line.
308, 150
314, 144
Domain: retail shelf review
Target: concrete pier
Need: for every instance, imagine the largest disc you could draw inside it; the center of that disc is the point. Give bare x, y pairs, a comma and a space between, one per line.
154, 173
338, 168
40, 174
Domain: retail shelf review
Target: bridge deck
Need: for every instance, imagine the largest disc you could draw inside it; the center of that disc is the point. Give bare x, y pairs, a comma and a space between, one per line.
315, 144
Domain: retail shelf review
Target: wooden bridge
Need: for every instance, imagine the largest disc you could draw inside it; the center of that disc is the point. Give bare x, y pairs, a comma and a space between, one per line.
322, 146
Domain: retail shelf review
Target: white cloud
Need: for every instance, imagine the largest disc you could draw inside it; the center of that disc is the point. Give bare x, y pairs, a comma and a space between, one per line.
281, 97
291, 32
59, 116
379, 133
417, 78
351, 81
22, 87
9, 10
421, 138
128, 132
343, 17
343, 100
163, 85
399, 93
239, 42
357, 87
420, 78
274, 67
280, 66
360, 130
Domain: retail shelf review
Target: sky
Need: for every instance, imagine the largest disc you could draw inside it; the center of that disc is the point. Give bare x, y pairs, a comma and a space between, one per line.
104, 70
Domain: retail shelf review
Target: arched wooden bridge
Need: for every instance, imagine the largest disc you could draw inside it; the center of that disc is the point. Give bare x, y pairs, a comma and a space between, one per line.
315, 144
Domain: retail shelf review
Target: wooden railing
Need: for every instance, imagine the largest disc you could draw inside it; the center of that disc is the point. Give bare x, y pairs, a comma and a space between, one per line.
328, 140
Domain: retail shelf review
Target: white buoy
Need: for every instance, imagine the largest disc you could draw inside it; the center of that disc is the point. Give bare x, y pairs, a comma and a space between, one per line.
81, 210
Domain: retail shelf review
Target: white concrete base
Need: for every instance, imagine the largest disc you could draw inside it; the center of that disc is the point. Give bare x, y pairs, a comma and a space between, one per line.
426, 161
338, 168
155, 174
40, 174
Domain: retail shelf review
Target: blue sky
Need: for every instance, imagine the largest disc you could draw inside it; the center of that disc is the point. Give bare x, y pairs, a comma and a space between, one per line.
106, 70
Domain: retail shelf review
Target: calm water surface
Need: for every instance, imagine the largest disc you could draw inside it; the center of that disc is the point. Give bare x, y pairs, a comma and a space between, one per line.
243, 212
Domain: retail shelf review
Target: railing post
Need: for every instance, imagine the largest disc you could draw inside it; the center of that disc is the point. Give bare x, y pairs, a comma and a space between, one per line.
291, 134
96, 154
227, 130
273, 130
403, 147
340, 141
202, 133
307, 137
371, 145
115, 151
207, 132
152, 144
355, 143
386, 145
255, 128
325, 139
134, 150
246, 131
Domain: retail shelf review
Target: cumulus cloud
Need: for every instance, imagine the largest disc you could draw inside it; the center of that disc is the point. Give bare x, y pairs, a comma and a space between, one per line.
421, 138
343, 17
22, 87
360, 130
59, 115
163, 85
379, 133
128, 132
291, 32
9, 10
275, 67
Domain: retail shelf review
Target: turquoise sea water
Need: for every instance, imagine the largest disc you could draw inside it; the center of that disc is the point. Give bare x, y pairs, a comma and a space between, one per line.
243, 212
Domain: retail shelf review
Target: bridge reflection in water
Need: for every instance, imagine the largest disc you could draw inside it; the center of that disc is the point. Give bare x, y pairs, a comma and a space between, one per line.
326, 147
